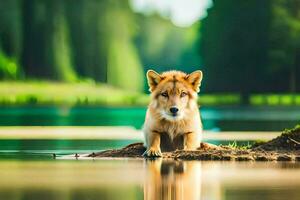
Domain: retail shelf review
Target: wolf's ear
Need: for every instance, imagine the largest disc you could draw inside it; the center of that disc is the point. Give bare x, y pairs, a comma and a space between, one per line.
153, 79
195, 79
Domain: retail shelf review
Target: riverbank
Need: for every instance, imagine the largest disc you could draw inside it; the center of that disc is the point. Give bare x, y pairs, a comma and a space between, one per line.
285, 147
89, 93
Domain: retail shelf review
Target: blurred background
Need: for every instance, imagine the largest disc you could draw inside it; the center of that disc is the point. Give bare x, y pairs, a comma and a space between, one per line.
72, 81
83, 62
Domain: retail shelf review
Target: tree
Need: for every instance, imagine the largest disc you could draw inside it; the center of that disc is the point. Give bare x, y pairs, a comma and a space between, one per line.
70, 40
284, 49
46, 46
163, 46
234, 46
10, 39
87, 22
102, 37
124, 68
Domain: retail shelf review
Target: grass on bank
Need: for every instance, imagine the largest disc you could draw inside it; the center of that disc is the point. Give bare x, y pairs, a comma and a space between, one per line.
91, 94
275, 99
86, 94
235, 145
54, 93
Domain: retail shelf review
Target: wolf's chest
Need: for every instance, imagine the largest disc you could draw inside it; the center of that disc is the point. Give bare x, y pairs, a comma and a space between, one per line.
174, 131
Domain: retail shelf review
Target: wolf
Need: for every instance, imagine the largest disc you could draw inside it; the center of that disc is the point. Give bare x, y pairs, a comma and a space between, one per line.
172, 119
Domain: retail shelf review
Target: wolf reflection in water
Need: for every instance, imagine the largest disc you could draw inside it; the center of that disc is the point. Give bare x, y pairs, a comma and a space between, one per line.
172, 180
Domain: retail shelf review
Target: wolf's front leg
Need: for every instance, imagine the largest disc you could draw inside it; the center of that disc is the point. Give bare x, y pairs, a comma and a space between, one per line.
191, 141
153, 144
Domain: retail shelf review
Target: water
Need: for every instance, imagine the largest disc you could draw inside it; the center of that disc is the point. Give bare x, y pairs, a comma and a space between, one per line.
28, 170
226, 118
43, 146
46, 178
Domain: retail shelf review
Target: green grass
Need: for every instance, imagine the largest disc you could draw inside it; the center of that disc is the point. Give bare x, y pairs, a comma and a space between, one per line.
219, 99
291, 131
275, 99
92, 94
53, 93
234, 145
86, 94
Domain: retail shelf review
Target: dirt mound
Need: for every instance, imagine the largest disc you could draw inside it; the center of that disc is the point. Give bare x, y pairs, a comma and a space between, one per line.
205, 152
289, 140
132, 150
137, 150
283, 148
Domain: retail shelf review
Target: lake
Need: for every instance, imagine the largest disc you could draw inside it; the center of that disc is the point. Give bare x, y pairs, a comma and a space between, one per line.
49, 179
29, 171
222, 118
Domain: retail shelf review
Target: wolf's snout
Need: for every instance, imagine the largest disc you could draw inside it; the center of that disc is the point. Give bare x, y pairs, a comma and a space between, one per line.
174, 110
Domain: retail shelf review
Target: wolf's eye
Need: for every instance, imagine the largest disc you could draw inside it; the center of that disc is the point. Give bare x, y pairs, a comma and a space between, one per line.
183, 94
164, 94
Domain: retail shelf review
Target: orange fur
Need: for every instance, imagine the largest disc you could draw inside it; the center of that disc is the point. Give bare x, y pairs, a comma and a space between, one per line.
166, 179
164, 130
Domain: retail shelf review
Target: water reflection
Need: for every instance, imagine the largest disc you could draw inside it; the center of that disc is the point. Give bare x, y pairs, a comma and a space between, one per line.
172, 180
221, 180
146, 179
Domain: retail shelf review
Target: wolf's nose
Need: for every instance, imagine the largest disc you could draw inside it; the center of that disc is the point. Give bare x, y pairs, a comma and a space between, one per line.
174, 110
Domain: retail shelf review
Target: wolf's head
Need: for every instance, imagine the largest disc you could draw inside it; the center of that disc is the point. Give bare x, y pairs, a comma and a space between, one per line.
174, 93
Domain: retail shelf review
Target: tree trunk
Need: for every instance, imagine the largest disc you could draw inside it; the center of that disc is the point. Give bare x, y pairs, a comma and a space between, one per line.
46, 52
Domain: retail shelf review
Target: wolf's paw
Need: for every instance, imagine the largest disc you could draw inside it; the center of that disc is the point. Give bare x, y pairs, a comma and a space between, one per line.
152, 153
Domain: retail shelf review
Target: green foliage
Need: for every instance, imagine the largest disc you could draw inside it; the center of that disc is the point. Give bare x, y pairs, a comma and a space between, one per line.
62, 59
88, 28
275, 99
234, 42
252, 46
69, 94
10, 39
284, 52
163, 46
124, 68
106, 52
8, 67
11, 28
69, 41
46, 45
220, 99
245, 46
234, 145
87, 94
288, 132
